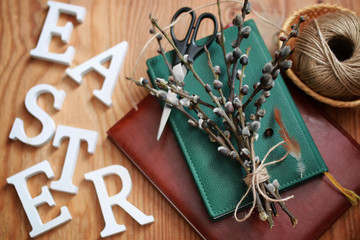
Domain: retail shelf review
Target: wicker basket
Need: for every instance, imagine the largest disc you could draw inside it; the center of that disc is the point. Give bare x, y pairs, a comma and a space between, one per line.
312, 12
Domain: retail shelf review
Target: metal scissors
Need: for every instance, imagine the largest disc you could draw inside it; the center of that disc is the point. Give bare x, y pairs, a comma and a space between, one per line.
185, 47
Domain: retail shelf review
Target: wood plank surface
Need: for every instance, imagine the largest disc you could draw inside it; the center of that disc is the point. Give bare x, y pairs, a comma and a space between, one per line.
107, 23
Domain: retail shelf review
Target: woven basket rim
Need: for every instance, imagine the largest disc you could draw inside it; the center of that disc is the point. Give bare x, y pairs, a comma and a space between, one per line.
290, 73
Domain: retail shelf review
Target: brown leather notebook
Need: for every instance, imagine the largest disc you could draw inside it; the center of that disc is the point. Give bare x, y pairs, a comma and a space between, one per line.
317, 204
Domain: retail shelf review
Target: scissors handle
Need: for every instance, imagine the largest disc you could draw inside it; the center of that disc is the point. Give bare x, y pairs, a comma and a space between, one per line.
192, 49
182, 44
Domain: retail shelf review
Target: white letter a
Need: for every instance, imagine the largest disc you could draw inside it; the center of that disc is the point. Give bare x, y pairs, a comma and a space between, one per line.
116, 55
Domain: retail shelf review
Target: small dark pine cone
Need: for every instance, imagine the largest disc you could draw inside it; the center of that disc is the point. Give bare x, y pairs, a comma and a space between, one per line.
302, 19
266, 80
244, 60
282, 38
268, 67
233, 155
223, 150
236, 53
256, 85
162, 95
218, 38
261, 113
248, 8
285, 51
255, 126
238, 20
217, 70
218, 112
208, 88
237, 103
217, 84
143, 81
244, 89
245, 32
159, 36
285, 65
275, 74
294, 33
230, 58
229, 107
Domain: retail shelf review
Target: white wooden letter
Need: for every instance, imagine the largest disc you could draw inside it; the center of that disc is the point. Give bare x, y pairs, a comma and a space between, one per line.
106, 202
48, 125
30, 204
75, 135
116, 55
50, 29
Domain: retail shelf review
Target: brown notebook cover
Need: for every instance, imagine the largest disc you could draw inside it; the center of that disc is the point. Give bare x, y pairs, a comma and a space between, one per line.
317, 204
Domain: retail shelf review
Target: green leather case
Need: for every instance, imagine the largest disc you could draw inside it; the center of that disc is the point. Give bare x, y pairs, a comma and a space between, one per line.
218, 178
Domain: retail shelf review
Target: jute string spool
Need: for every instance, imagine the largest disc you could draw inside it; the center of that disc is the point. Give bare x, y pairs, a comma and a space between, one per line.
327, 56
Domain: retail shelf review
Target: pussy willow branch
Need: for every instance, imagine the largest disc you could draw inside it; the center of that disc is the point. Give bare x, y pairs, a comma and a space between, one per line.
268, 209
182, 93
227, 140
252, 157
244, 132
154, 92
238, 43
276, 195
295, 30
211, 66
222, 42
216, 76
241, 96
161, 51
242, 74
253, 94
197, 77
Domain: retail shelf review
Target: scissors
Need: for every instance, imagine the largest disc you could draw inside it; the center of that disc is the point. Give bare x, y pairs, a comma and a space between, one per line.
185, 47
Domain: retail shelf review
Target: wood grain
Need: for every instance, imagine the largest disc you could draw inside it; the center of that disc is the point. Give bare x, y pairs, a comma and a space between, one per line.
107, 23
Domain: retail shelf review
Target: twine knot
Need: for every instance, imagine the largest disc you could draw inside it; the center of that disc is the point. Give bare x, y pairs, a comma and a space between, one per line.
258, 176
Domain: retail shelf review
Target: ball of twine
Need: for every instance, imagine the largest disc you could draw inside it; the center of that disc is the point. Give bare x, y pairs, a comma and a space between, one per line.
327, 56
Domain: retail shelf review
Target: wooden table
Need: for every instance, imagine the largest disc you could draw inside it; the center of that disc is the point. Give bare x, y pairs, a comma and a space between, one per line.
107, 23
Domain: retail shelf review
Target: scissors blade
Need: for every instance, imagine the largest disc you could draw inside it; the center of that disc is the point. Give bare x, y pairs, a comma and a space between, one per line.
165, 115
180, 73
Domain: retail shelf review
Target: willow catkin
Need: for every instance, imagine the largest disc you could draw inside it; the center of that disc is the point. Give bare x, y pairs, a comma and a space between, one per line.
327, 55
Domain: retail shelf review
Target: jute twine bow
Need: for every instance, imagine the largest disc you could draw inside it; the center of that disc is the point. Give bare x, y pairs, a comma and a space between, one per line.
253, 181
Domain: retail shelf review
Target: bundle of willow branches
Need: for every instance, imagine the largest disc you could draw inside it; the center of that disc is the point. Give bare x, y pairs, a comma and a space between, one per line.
231, 109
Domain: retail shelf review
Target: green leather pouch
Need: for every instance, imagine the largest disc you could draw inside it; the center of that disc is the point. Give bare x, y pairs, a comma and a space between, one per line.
218, 178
